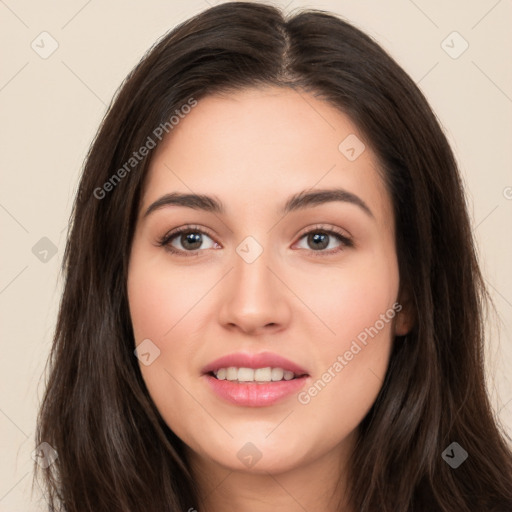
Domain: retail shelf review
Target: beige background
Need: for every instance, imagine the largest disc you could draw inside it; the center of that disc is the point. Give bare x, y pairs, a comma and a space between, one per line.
51, 108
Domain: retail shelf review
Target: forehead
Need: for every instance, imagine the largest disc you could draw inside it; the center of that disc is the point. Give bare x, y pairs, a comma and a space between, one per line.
265, 144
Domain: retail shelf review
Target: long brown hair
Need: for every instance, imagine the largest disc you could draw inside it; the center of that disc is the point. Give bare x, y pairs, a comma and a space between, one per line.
115, 453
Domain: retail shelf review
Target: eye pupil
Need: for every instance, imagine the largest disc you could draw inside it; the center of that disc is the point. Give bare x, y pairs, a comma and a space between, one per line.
192, 238
320, 240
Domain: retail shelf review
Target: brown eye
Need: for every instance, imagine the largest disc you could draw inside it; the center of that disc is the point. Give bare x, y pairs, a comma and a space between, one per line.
187, 239
318, 240
191, 240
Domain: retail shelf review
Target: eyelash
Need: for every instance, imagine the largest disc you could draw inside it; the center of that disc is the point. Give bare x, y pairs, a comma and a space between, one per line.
168, 237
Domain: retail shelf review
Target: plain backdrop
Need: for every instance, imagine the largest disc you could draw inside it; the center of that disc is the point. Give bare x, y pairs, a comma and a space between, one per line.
52, 103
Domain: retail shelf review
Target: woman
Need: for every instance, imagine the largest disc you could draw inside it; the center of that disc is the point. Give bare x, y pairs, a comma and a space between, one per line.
319, 344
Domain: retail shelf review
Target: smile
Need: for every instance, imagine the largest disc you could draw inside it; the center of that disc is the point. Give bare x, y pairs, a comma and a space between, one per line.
254, 380
259, 375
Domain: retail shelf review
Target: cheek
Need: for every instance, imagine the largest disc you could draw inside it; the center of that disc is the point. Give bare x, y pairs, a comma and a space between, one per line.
165, 305
357, 308
160, 298
348, 300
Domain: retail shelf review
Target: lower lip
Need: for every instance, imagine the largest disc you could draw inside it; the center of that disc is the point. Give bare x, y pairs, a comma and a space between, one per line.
250, 394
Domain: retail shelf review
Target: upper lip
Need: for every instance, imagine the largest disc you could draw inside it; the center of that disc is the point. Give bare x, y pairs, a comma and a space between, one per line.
261, 360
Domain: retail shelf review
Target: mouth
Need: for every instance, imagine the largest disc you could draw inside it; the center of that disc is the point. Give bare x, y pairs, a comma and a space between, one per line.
256, 375
254, 380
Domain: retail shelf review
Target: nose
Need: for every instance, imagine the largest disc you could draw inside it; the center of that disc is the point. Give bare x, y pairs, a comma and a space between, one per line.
254, 298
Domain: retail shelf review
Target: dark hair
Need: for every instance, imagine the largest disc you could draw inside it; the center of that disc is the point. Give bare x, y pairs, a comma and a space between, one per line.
115, 451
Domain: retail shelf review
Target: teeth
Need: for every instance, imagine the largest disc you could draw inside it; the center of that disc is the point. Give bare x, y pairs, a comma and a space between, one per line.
245, 375
231, 373
277, 374
267, 374
263, 374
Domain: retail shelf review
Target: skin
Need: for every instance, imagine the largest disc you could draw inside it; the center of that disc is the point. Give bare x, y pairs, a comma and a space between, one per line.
253, 150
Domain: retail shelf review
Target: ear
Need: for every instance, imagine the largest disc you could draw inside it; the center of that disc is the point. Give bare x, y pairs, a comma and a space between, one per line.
406, 317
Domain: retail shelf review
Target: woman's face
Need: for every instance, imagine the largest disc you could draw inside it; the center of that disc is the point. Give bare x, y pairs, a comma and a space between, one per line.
275, 284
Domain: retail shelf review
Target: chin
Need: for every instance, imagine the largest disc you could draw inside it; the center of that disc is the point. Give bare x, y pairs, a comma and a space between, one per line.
255, 454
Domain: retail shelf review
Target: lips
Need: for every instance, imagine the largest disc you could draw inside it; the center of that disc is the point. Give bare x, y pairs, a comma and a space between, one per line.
261, 360
254, 394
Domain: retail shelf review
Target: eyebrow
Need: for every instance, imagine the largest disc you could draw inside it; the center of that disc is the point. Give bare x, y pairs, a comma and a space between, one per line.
299, 201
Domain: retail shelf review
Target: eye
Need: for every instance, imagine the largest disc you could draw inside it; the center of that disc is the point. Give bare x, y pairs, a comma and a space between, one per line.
187, 239
319, 238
